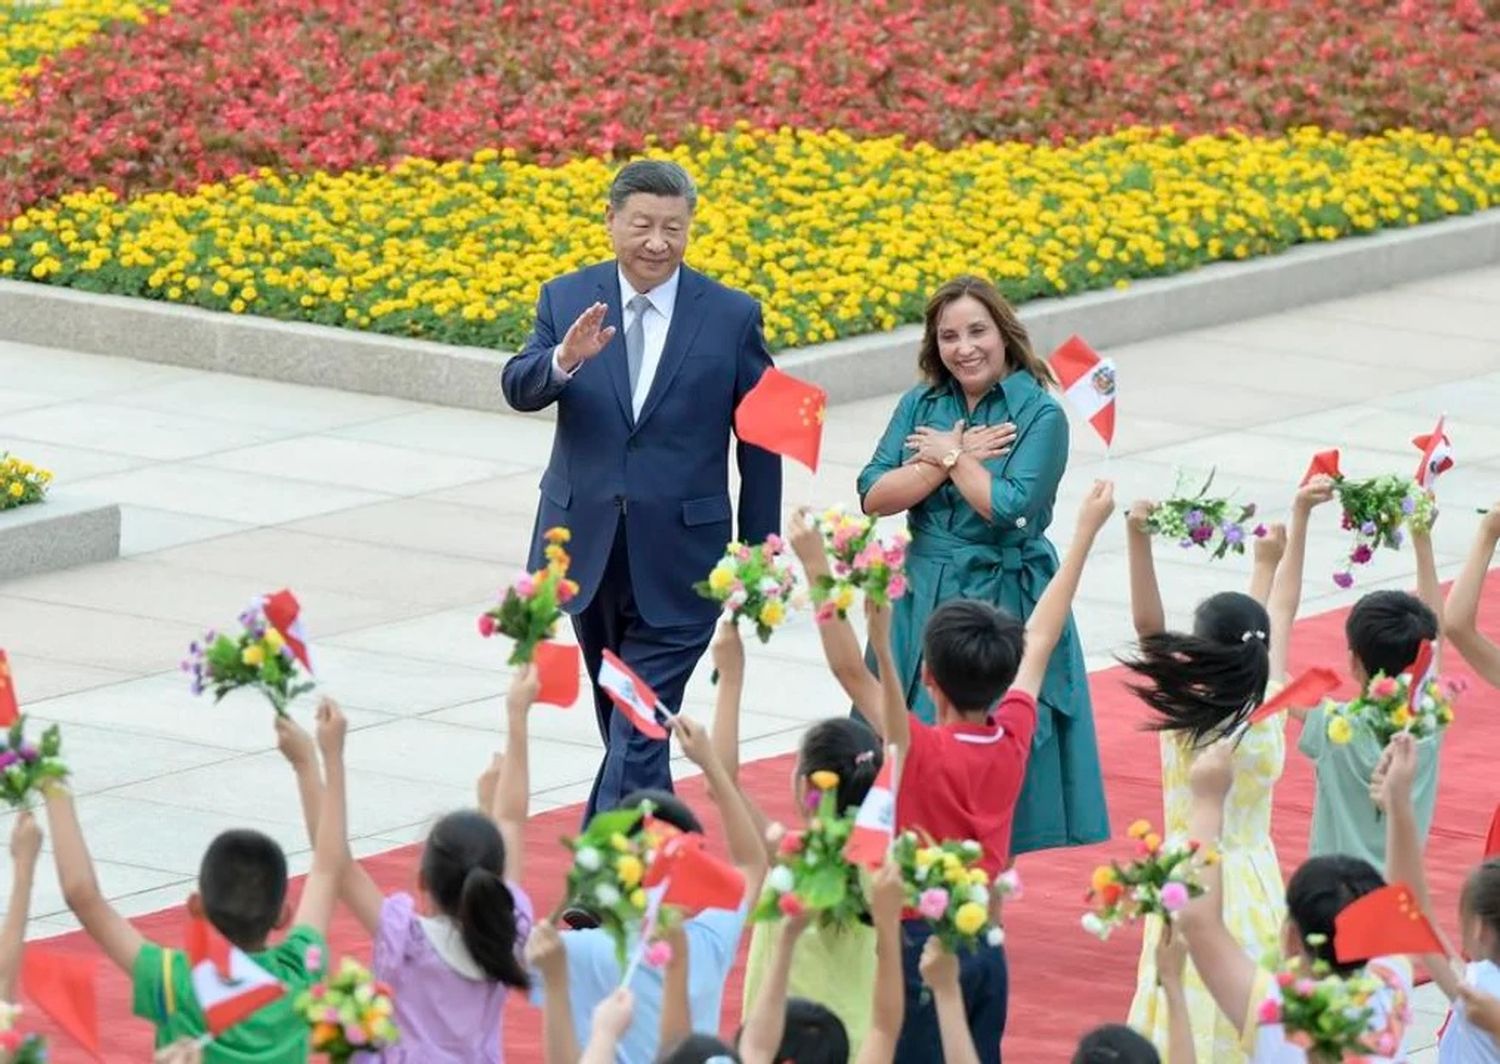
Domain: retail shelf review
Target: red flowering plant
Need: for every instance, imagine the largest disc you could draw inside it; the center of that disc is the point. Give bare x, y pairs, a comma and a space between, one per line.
531, 607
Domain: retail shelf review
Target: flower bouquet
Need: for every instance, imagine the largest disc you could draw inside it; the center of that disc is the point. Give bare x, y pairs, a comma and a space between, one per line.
1388, 708
15, 1047
24, 767
811, 873
348, 1013
1162, 880
1200, 520
753, 582
1328, 1015
860, 563
1375, 511
259, 656
531, 607
610, 860
945, 885
21, 482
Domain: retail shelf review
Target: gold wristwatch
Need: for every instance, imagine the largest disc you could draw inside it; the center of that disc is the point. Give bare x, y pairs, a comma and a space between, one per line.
951, 458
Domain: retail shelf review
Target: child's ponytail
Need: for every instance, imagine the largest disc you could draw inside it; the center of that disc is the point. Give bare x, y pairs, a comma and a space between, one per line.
487, 921
1202, 686
463, 870
847, 748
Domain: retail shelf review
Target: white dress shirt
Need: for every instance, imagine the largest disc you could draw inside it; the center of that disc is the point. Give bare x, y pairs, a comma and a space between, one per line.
658, 318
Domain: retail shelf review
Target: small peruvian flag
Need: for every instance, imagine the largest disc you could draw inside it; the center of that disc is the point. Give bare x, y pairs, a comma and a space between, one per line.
1437, 455
1423, 672
284, 613
875, 823
632, 696
1088, 383
229, 986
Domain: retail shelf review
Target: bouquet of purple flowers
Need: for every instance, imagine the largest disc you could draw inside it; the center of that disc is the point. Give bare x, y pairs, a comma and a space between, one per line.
1201, 520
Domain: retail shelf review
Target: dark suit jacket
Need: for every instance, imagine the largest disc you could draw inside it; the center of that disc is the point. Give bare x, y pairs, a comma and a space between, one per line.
667, 474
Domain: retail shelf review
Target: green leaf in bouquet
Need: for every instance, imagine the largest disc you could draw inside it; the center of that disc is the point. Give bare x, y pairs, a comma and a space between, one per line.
606, 826
826, 886
51, 744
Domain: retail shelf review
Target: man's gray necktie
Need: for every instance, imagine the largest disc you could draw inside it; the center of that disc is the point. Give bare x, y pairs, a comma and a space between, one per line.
635, 340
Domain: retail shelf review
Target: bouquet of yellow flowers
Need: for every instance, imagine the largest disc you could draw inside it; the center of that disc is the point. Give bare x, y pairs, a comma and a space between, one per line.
945, 884
531, 607
756, 583
1389, 706
1162, 880
21, 482
349, 1013
1327, 1014
259, 656
811, 872
610, 859
861, 562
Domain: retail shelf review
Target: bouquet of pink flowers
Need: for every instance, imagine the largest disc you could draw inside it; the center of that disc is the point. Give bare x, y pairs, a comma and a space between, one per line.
758, 583
945, 884
1162, 880
1329, 1015
860, 562
350, 1012
1387, 708
531, 607
811, 872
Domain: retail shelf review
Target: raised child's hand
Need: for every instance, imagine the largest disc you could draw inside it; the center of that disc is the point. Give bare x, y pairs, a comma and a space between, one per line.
545, 952
728, 651
525, 683
294, 743
1489, 524
1096, 507
1270, 547
1138, 514
878, 622
1171, 958
1212, 771
806, 541
613, 1015
1391, 782
939, 966
694, 739
25, 839
1315, 492
887, 895
489, 779
333, 726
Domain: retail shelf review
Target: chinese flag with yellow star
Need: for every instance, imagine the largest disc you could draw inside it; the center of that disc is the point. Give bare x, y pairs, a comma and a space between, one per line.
1384, 922
10, 708
785, 416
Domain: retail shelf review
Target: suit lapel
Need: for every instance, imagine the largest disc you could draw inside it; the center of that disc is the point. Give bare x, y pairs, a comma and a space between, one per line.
687, 318
613, 355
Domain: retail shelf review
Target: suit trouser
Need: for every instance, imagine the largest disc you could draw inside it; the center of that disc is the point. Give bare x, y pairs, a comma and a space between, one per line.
663, 657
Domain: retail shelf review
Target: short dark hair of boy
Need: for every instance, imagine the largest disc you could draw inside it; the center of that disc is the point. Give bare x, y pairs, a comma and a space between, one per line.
1114, 1043
697, 1049
813, 1035
1481, 895
1386, 628
973, 652
666, 807
242, 883
1319, 891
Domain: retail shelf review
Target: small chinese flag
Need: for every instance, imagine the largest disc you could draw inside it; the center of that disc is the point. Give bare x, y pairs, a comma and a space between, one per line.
694, 878
62, 985
557, 672
785, 416
10, 706
1324, 463
1308, 689
1384, 921
875, 823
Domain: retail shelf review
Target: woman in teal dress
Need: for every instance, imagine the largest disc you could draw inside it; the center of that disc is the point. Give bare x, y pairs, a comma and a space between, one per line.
974, 456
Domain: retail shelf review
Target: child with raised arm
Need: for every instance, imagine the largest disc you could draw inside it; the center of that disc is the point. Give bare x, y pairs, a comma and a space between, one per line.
1200, 686
242, 886
982, 669
452, 961
1461, 627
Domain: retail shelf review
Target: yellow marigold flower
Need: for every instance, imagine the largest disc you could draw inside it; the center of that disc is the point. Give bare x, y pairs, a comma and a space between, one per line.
843, 598
924, 858
1339, 730
638, 898
1140, 829
557, 534
16, 489
1103, 876
273, 641
824, 779
630, 870
772, 613
978, 877
969, 918
720, 579
553, 553
253, 655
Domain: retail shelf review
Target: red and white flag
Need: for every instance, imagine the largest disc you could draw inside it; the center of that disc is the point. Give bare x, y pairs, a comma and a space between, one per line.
284, 613
632, 696
229, 985
875, 823
1088, 384
1423, 672
1437, 455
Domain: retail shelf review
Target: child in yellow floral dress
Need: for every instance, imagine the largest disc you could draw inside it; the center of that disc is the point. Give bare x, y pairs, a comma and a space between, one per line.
1202, 687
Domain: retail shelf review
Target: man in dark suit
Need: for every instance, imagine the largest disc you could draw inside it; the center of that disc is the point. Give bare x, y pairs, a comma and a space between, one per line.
646, 360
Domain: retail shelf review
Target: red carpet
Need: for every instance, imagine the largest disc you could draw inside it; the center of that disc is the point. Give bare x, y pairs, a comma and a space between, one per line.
1049, 953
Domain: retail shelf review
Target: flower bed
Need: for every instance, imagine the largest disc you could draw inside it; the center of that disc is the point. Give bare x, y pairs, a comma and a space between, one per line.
33, 31
837, 236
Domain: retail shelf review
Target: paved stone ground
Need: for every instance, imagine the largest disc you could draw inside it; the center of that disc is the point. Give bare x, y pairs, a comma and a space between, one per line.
396, 522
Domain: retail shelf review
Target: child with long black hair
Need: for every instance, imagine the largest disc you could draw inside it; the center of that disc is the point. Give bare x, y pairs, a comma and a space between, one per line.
1202, 686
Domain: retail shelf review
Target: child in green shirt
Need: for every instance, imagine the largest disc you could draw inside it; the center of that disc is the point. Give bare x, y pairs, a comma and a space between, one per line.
242, 886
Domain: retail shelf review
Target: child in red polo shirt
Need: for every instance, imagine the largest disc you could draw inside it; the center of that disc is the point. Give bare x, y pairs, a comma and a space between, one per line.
960, 777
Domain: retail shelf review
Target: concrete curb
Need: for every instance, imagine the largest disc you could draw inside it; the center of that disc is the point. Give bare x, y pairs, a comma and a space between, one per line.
857, 368
62, 531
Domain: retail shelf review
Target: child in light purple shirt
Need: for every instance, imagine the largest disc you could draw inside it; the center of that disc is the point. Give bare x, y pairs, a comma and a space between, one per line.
452, 959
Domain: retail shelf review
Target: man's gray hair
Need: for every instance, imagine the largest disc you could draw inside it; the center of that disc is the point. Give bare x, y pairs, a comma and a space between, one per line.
653, 177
